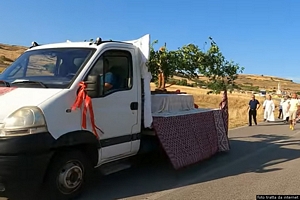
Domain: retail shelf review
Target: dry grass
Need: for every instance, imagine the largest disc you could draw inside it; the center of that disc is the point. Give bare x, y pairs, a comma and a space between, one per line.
268, 82
11, 51
238, 104
2, 68
238, 115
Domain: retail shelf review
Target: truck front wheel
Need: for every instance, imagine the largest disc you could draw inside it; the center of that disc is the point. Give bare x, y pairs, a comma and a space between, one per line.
67, 174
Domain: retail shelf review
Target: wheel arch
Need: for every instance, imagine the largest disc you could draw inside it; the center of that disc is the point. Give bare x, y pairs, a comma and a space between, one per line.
84, 141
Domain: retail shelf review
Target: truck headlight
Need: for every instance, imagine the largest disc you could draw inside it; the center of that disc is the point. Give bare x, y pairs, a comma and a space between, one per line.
26, 120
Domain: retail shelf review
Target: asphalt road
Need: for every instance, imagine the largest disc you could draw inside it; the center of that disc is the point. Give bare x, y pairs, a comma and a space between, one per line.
264, 159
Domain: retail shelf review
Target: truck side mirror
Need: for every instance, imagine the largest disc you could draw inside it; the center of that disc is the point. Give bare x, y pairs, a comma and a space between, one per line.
93, 86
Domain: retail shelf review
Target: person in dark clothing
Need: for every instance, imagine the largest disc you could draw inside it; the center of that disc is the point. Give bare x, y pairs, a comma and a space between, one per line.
280, 115
252, 108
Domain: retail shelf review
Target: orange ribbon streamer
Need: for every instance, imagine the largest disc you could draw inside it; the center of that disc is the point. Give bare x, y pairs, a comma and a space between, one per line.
82, 97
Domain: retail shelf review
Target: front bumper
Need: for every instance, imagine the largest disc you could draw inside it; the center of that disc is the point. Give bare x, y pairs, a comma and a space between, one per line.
23, 163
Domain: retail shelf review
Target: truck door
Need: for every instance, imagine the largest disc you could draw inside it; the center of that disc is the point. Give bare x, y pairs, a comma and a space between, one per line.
115, 111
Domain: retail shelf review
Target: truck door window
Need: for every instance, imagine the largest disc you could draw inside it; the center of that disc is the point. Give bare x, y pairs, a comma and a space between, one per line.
115, 69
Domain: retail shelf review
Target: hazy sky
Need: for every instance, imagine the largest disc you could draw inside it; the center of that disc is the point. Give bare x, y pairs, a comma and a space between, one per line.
263, 36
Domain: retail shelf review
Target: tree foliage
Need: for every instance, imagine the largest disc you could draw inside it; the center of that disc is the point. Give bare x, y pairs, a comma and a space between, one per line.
153, 60
162, 62
221, 72
188, 60
191, 61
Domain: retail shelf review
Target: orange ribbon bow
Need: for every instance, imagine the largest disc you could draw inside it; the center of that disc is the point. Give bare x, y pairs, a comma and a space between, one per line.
83, 97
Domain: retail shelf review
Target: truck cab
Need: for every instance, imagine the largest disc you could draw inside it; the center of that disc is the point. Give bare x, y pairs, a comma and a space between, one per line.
67, 108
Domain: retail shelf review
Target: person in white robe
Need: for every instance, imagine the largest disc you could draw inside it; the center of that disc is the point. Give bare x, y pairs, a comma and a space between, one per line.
269, 108
285, 111
293, 108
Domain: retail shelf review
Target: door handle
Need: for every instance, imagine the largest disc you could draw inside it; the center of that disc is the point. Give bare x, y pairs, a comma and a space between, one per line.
134, 105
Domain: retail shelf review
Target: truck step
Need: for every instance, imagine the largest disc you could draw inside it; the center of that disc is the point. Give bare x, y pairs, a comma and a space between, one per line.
113, 168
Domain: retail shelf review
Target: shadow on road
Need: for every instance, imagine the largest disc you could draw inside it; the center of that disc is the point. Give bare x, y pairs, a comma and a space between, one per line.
277, 122
272, 124
156, 175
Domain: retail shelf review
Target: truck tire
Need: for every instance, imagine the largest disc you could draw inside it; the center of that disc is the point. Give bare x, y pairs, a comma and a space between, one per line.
67, 175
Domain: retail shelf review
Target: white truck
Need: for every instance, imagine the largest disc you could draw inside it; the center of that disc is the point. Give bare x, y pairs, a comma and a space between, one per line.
49, 141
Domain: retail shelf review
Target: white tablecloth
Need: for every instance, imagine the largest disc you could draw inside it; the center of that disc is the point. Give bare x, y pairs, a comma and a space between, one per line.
171, 103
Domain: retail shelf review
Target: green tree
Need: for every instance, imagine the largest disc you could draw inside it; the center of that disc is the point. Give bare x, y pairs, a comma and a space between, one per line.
188, 58
221, 72
153, 61
162, 64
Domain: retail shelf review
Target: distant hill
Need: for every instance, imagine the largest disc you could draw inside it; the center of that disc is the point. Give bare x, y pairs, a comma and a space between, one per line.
267, 82
8, 53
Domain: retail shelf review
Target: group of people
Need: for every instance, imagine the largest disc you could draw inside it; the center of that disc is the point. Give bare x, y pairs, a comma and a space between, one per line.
289, 109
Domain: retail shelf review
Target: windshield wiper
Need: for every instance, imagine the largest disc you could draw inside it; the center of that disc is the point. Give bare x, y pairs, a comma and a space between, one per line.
34, 82
6, 84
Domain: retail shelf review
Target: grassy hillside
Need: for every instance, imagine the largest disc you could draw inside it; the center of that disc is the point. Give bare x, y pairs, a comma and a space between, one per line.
268, 82
249, 82
8, 53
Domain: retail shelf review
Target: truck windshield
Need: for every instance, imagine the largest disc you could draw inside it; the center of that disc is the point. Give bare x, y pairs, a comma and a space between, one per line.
47, 68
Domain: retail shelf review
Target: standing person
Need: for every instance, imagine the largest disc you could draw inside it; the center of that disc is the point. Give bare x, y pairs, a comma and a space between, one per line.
280, 115
252, 108
269, 108
285, 111
292, 108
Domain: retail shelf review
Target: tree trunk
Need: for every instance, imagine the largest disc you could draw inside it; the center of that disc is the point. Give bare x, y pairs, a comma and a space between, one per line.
161, 81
